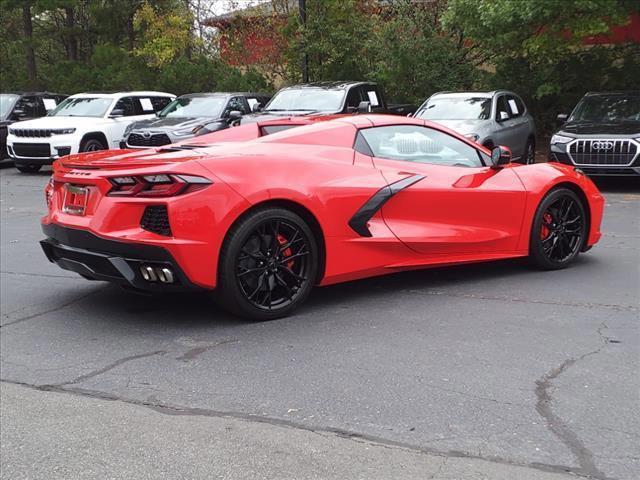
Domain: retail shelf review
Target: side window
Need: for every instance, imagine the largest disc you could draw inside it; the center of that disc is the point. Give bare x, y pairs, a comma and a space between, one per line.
502, 107
354, 97
159, 103
520, 104
30, 107
413, 143
236, 103
255, 101
144, 106
127, 106
515, 110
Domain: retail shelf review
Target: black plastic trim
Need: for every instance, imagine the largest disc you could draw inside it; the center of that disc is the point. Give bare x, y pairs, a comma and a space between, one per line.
358, 221
97, 258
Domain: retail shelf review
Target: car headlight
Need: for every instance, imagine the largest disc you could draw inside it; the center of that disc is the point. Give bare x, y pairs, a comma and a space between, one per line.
560, 139
62, 131
128, 129
472, 136
185, 131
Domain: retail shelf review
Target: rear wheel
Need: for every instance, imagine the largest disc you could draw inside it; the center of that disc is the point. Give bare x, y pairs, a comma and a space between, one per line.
29, 168
268, 265
559, 230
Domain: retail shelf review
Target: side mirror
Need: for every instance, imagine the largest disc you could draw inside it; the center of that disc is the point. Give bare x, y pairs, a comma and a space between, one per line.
562, 117
234, 115
503, 116
500, 156
364, 107
116, 112
256, 107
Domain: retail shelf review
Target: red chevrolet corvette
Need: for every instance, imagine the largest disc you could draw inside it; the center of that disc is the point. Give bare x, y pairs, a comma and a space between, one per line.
261, 217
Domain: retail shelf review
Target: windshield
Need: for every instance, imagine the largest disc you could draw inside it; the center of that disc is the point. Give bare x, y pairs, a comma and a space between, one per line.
307, 99
607, 109
194, 107
82, 107
456, 108
6, 103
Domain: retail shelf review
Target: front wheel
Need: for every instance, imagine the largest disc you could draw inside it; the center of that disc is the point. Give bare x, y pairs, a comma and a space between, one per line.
559, 230
268, 265
92, 145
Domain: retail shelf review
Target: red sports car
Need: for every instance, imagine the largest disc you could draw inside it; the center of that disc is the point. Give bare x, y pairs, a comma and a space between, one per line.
263, 218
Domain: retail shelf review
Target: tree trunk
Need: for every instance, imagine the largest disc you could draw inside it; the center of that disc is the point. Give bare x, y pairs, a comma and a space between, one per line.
30, 56
72, 43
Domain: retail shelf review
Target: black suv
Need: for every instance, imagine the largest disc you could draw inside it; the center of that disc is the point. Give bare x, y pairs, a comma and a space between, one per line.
326, 98
17, 106
602, 134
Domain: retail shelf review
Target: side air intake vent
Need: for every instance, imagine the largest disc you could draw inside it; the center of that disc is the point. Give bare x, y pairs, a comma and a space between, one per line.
156, 219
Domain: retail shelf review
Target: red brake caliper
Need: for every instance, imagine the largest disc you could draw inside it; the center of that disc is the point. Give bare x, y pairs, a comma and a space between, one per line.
287, 252
544, 231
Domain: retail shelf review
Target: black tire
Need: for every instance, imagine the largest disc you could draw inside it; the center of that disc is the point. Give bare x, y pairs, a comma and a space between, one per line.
92, 145
29, 168
529, 155
559, 230
268, 265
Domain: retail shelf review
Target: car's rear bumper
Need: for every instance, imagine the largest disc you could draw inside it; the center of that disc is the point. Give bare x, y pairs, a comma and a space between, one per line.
97, 258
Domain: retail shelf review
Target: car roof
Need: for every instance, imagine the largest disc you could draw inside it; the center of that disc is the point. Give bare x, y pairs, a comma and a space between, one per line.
618, 92
329, 85
121, 94
224, 94
28, 92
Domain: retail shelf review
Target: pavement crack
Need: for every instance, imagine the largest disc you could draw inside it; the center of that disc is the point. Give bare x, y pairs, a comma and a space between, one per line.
372, 440
475, 296
106, 368
555, 424
44, 275
199, 350
50, 310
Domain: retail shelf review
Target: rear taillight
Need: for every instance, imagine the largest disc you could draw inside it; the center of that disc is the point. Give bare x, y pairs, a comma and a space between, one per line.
48, 191
160, 185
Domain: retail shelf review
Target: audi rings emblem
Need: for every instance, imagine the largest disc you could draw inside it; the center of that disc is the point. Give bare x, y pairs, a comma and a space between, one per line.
602, 145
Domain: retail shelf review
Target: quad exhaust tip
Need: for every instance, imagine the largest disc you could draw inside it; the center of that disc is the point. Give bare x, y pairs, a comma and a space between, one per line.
154, 274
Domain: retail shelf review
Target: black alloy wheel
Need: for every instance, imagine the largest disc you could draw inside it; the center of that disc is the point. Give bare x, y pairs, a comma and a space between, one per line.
268, 265
559, 230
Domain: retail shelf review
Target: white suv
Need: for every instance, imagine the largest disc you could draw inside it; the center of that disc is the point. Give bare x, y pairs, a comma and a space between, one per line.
82, 123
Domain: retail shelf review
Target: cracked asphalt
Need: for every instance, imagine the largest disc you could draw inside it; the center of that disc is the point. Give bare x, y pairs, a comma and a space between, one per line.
491, 371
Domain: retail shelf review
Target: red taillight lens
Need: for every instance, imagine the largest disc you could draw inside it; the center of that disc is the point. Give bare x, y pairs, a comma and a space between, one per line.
160, 185
48, 191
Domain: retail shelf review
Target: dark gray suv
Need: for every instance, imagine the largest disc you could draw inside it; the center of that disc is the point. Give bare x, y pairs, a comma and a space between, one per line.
191, 115
492, 118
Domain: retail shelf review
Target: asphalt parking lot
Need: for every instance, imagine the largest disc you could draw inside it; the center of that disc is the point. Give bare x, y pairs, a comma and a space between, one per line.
488, 371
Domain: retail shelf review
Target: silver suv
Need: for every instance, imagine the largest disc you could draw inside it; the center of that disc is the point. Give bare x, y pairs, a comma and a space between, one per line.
489, 118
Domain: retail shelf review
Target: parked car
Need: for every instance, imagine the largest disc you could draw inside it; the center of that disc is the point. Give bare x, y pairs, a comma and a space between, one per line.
262, 221
602, 134
326, 98
191, 115
81, 123
16, 106
489, 118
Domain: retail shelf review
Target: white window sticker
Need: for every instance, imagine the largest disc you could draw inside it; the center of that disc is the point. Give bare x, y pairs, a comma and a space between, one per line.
252, 102
147, 106
49, 103
373, 98
513, 106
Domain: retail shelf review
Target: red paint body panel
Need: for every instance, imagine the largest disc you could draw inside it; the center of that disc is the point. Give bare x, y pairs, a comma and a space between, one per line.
453, 215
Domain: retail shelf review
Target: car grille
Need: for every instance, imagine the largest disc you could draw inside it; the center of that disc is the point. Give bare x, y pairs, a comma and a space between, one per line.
31, 132
155, 140
156, 219
603, 152
32, 150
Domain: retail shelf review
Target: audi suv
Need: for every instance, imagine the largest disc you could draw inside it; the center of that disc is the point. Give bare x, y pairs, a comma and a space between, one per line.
602, 135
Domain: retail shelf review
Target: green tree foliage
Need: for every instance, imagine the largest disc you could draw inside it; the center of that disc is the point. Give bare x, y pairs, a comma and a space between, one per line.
82, 45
